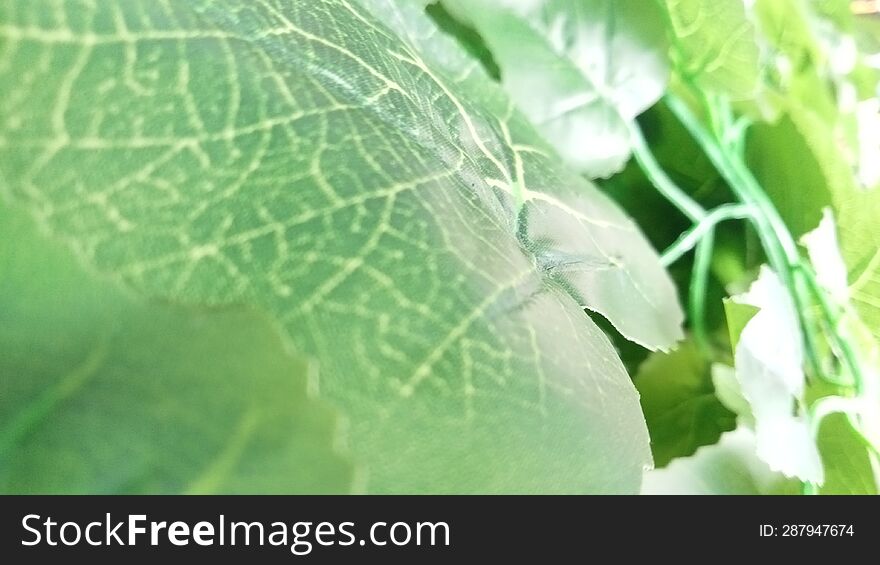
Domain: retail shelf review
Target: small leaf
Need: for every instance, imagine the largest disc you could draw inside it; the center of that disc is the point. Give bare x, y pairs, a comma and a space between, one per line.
729, 393
738, 315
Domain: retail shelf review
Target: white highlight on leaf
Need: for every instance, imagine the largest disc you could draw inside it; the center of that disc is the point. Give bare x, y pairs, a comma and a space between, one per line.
728, 467
824, 251
728, 391
769, 367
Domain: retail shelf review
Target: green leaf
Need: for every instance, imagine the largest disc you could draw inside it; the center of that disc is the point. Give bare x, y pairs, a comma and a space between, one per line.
679, 402
364, 182
715, 44
581, 71
103, 392
728, 467
789, 27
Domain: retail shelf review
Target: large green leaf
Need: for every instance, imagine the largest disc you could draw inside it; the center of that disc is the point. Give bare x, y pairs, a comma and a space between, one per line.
716, 45
369, 186
102, 392
579, 70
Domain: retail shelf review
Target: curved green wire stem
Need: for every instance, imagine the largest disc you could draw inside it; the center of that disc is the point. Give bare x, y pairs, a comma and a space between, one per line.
697, 291
689, 239
701, 235
661, 181
724, 148
775, 238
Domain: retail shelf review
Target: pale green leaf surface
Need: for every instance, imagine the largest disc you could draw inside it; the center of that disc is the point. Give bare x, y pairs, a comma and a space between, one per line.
581, 71
680, 405
867, 117
716, 45
380, 197
788, 26
101, 392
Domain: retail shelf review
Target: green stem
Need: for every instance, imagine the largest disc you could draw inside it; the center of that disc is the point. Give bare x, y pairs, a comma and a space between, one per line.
702, 234
775, 238
689, 239
658, 177
697, 291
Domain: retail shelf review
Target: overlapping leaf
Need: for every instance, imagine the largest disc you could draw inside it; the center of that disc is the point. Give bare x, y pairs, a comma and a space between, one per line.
102, 392
397, 217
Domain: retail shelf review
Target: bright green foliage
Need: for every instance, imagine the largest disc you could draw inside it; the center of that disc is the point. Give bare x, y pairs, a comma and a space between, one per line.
810, 159
103, 392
